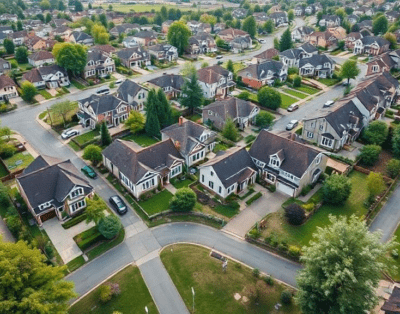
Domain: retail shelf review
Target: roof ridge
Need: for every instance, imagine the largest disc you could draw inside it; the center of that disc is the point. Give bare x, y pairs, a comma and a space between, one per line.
43, 168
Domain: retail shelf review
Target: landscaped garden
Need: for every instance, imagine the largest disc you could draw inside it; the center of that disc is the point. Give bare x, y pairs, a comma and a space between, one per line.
18, 161
157, 203
307, 89
287, 101
295, 93
141, 139
85, 138
134, 296
238, 290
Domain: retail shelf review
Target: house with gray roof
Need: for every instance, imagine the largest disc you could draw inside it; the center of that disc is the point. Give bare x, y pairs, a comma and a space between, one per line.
81, 38
371, 45
52, 187
299, 34
5, 66
215, 81
40, 58
239, 13
242, 112
193, 140
170, 83
8, 88
201, 43
98, 64
163, 52
230, 171
265, 73
280, 18
134, 57
133, 94
292, 57
286, 164
317, 65
329, 21
141, 170
124, 29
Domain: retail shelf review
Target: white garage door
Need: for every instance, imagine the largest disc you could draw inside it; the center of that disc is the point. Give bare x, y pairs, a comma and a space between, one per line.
284, 188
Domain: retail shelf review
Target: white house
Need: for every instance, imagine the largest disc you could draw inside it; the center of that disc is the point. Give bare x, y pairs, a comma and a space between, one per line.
215, 80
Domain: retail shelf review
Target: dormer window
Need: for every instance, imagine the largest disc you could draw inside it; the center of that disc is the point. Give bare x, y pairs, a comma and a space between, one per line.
274, 162
77, 192
375, 68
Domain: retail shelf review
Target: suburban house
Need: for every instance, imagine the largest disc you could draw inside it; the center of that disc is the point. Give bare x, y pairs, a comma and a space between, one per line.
366, 24
63, 31
34, 43
286, 164
219, 27
329, 21
5, 66
260, 17
242, 112
97, 109
133, 94
239, 13
170, 83
6, 29
392, 304
351, 39
53, 75
292, 57
363, 10
299, 34
236, 38
8, 88
299, 10
384, 62
392, 16
165, 26
316, 65
238, 44
231, 171
53, 188
192, 140
145, 38
40, 58
108, 50
130, 42
98, 64
134, 57
60, 22
322, 39
265, 73
140, 169
352, 18
9, 17
198, 27
81, 38
280, 18
35, 78
265, 55
215, 81
165, 52
201, 43
372, 45
18, 38
124, 29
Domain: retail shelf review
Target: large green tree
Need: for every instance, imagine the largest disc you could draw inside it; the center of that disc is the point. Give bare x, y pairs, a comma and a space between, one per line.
178, 36
70, 56
63, 109
269, 98
164, 109
152, 126
396, 141
349, 70
9, 46
183, 200
135, 121
380, 25
336, 189
285, 42
250, 26
21, 55
95, 210
105, 136
376, 132
100, 34
230, 130
342, 268
93, 153
28, 285
192, 93
28, 91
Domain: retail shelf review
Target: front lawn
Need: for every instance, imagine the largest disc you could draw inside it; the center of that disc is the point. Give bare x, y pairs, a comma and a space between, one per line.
192, 266
328, 81
178, 184
228, 210
295, 93
141, 139
287, 101
237, 66
157, 203
134, 296
278, 227
18, 161
307, 89
45, 94
58, 119
86, 137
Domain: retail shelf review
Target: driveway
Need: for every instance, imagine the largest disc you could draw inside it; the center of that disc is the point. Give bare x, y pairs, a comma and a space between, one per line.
266, 204
5, 234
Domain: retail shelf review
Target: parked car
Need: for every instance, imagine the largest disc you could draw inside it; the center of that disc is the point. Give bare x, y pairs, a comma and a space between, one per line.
89, 172
69, 133
218, 57
329, 103
118, 204
292, 107
119, 82
262, 41
103, 91
292, 124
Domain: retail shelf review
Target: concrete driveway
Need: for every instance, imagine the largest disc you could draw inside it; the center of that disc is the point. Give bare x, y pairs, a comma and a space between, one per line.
268, 203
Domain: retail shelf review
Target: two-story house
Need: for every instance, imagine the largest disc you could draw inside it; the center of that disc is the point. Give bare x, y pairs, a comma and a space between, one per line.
239, 13
98, 64
53, 188
5, 66
165, 52
231, 171
171, 84
384, 62
124, 29
192, 140
299, 10
165, 26
322, 39
372, 45
39, 58
265, 55
145, 38
140, 169
317, 65
134, 57
329, 21
63, 31
242, 112
8, 88
236, 38
201, 43
286, 164
81, 38
351, 38
133, 94
299, 34
292, 57
392, 16
280, 18
18, 38
265, 73
215, 81
54, 76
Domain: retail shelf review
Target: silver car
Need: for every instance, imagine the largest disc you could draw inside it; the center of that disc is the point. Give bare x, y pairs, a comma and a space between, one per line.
292, 124
69, 133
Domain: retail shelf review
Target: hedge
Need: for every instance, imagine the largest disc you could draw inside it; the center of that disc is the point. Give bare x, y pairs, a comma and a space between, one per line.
74, 221
253, 199
88, 238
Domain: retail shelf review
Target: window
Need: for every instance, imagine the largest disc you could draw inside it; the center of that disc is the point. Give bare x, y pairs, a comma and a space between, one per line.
270, 177
212, 173
310, 134
274, 162
210, 112
148, 184
219, 190
78, 205
318, 160
77, 193
375, 68
202, 178
327, 142
175, 171
321, 127
211, 184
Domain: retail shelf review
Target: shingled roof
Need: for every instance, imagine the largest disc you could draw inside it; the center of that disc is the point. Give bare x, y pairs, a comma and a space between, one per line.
212, 74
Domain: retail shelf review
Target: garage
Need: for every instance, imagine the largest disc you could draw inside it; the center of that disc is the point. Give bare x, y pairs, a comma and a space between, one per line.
285, 188
48, 216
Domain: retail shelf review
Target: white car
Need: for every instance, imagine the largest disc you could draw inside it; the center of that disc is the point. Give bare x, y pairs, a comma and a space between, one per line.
262, 41
103, 91
292, 124
329, 103
69, 133
119, 82
218, 57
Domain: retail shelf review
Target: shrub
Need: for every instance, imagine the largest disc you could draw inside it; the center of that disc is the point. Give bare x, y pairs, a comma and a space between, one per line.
286, 297
93, 153
264, 119
395, 254
4, 197
369, 154
183, 200
256, 272
336, 189
308, 207
49, 251
294, 251
109, 226
253, 198
393, 168
7, 150
269, 97
305, 190
376, 133
293, 70
295, 214
269, 280
105, 293
244, 95
14, 224
90, 240
297, 81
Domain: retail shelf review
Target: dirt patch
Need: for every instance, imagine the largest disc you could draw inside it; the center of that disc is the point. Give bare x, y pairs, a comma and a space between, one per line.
380, 165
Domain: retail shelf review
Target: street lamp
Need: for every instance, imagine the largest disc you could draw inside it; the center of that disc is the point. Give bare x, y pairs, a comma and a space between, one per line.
146, 309
193, 298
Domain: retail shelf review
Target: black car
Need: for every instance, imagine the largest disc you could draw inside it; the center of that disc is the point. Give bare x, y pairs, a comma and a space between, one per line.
118, 204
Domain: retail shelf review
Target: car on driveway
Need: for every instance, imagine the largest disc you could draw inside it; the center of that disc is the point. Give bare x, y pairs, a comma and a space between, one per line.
329, 103
262, 41
118, 204
218, 57
119, 82
292, 107
89, 172
69, 133
292, 124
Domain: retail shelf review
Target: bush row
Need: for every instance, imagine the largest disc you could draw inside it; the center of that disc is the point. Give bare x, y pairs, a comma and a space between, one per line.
253, 198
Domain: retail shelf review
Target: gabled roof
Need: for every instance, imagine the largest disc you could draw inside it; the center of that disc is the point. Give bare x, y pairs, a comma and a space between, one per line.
315, 60
233, 32
305, 30
96, 55
267, 54
295, 157
32, 76
231, 108
293, 53
127, 53
41, 55
392, 305
307, 47
135, 162
128, 89
101, 104
212, 74
260, 71
81, 36
6, 81
52, 69
174, 80
146, 34
104, 48
369, 40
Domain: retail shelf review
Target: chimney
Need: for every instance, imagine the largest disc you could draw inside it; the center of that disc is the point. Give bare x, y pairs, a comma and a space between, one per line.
180, 120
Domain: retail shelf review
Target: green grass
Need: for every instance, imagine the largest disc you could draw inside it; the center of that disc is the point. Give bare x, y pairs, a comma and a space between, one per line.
58, 120
45, 94
295, 93
42, 115
220, 146
395, 274
226, 210
157, 203
237, 66
147, 7
133, 298
74, 146
141, 139
195, 117
307, 89
192, 266
3, 170
77, 84
75, 263
25, 157
328, 81
178, 184
86, 137
287, 101
106, 245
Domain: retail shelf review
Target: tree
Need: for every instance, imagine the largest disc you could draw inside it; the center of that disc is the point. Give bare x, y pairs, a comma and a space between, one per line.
192, 93
70, 56
158, 19
375, 183
250, 26
269, 98
44, 5
164, 109
336, 189
230, 130
152, 125
276, 43
269, 26
109, 226
376, 132
290, 15
21, 55
93, 153
349, 70
95, 210
396, 141
393, 168
28, 91
295, 214
105, 135
100, 34
9, 46
28, 284
264, 119
103, 20
63, 109
230, 66
178, 36
210, 19
297, 81
380, 25
4, 197
61, 6
48, 18
183, 200
164, 12
78, 6
369, 154
348, 284
135, 121
390, 37
286, 40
